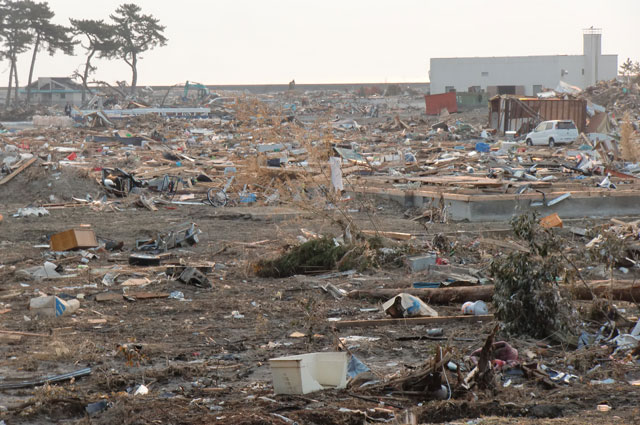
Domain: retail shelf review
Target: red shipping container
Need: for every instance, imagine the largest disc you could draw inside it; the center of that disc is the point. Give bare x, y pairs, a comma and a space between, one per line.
436, 102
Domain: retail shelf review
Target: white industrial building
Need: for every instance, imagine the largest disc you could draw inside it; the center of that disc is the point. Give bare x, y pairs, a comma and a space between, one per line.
524, 75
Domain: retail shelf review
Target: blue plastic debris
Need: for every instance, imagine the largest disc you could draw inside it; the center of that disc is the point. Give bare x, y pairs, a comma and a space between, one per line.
355, 367
248, 198
482, 147
426, 284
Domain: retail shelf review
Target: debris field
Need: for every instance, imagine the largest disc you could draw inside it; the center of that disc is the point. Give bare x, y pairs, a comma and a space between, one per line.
318, 258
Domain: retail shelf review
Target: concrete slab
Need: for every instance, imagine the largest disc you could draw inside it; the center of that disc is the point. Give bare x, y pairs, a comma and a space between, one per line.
502, 207
421, 262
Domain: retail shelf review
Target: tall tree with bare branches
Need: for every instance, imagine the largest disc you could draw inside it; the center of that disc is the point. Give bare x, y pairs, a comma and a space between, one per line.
136, 33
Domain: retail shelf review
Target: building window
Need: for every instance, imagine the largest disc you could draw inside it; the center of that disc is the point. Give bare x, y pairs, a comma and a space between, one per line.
484, 73
506, 89
448, 89
63, 95
582, 71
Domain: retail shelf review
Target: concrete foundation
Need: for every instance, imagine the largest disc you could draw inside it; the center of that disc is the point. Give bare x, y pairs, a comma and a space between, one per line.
480, 207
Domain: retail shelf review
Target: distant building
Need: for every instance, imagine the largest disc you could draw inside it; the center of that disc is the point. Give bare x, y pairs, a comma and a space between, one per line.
524, 75
54, 91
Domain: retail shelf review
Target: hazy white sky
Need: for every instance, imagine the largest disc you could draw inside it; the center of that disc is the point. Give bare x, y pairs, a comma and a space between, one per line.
329, 41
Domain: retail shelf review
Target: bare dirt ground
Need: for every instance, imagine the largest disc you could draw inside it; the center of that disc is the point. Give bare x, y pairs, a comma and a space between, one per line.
202, 365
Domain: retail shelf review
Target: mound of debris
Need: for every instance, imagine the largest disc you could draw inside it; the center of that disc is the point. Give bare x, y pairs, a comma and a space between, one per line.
616, 96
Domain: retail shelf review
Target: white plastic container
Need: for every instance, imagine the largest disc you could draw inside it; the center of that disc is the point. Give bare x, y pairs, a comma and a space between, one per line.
306, 373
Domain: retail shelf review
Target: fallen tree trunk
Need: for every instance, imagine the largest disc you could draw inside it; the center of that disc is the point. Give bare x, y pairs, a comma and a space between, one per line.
431, 295
621, 291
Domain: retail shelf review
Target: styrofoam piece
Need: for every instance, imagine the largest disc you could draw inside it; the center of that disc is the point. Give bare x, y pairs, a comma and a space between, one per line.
306, 373
52, 306
477, 308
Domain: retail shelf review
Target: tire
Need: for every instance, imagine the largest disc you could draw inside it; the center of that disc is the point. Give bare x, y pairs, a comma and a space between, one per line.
529, 142
552, 142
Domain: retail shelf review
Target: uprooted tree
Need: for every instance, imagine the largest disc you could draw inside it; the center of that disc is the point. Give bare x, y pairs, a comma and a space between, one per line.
135, 33
527, 297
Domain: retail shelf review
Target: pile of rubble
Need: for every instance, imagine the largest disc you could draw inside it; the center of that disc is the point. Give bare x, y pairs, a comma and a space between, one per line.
617, 96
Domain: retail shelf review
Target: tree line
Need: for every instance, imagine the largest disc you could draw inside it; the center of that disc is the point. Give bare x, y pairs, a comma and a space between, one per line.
629, 68
26, 25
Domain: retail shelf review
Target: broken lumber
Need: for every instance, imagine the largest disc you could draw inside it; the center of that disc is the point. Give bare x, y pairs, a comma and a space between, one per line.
147, 295
431, 295
391, 235
21, 333
18, 170
410, 321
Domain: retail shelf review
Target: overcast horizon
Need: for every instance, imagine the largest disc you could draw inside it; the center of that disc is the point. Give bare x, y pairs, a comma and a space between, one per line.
272, 42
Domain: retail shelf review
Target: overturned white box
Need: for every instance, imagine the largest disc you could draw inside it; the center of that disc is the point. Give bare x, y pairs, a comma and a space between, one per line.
306, 373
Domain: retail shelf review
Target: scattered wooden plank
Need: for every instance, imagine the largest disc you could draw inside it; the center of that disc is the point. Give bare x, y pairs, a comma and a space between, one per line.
458, 180
107, 296
148, 204
67, 205
18, 170
391, 235
110, 296
410, 321
21, 333
147, 295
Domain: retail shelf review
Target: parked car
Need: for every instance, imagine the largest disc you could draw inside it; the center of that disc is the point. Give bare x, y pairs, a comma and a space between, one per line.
552, 133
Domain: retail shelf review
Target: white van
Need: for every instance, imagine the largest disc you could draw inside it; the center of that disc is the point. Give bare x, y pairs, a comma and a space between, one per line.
552, 133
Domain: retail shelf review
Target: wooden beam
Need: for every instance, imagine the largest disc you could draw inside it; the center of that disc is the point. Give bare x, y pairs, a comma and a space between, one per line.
18, 170
147, 295
410, 321
391, 235
21, 333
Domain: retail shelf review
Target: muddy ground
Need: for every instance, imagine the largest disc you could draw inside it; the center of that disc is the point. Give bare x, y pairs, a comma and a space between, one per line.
202, 365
